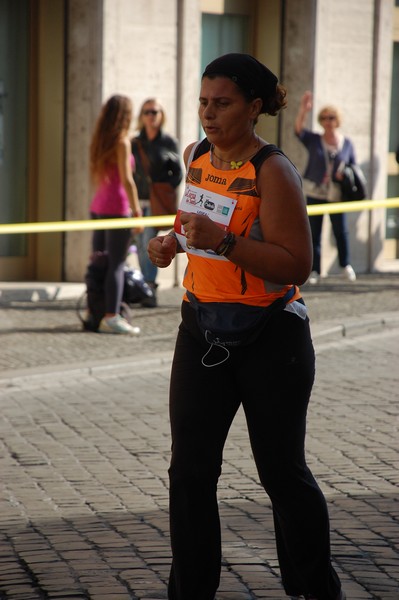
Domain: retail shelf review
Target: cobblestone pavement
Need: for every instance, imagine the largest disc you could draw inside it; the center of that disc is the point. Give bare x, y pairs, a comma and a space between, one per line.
85, 449
47, 333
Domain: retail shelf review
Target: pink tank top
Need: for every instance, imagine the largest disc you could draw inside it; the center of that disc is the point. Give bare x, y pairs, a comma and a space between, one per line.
111, 197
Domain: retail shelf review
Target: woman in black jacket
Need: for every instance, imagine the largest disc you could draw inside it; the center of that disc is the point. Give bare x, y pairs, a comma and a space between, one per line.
157, 160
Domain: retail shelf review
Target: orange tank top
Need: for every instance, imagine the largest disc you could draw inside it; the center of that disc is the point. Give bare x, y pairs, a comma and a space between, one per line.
221, 280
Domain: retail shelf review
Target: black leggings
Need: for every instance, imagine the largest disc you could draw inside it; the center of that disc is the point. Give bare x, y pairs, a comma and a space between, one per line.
116, 243
272, 379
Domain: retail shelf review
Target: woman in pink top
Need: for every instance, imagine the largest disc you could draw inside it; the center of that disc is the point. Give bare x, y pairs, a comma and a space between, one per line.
116, 196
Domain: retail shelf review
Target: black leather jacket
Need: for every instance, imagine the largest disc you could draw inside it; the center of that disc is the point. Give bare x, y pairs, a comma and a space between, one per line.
164, 161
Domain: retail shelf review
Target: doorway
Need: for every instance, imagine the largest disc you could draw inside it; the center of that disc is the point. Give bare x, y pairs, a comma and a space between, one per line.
14, 137
32, 74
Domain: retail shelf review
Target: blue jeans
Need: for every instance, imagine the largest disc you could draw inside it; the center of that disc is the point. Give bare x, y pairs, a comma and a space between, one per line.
148, 269
272, 378
340, 230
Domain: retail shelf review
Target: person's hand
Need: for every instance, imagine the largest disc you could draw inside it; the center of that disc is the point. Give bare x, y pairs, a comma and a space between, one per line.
338, 176
162, 250
339, 173
307, 101
201, 232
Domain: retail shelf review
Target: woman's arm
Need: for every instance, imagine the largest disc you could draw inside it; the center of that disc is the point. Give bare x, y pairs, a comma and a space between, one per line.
123, 153
304, 107
285, 255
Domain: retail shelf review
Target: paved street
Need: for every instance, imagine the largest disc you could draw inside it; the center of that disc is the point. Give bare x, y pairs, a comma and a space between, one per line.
85, 450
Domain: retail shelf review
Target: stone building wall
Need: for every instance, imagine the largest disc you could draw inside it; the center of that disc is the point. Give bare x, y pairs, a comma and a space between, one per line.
136, 48
341, 50
345, 61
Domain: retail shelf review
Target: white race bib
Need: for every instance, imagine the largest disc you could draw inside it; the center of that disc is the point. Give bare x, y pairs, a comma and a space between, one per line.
203, 202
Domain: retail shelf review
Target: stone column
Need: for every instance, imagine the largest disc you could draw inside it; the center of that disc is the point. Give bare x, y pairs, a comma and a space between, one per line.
84, 99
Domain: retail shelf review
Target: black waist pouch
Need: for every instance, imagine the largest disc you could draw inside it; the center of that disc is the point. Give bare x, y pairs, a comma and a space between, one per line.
232, 324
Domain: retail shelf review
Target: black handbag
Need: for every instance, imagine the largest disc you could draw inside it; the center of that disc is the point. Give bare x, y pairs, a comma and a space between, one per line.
353, 184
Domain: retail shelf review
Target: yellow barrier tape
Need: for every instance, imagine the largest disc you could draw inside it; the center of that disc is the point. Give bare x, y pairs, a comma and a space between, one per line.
166, 222
355, 206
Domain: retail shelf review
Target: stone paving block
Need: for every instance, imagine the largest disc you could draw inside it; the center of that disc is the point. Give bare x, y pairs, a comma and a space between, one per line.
84, 502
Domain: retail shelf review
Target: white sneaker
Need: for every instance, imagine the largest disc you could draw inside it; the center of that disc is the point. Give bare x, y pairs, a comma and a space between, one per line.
350, 273
314, 278
117, 324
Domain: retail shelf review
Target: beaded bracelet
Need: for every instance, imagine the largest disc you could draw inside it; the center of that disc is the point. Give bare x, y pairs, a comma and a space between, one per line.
226, 245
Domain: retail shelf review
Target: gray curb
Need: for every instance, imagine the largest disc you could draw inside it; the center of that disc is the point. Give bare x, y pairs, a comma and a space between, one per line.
357, 327
155, 361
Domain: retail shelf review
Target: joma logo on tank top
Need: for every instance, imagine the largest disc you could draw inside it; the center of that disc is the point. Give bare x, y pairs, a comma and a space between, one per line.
216, 179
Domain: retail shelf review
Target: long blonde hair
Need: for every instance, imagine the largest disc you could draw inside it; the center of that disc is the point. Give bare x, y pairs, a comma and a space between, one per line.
113, 122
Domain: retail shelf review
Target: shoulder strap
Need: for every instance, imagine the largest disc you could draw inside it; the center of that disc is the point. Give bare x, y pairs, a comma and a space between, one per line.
264, 154
198, 149
201, 148
192, 152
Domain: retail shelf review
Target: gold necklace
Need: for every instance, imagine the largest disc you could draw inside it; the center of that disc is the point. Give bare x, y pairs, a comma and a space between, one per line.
233, 163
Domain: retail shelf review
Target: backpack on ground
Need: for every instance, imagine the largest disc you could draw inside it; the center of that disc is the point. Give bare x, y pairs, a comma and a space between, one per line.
135, 290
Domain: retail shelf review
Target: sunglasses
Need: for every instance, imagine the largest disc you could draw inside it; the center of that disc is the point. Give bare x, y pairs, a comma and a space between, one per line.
151, 111
328, 118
